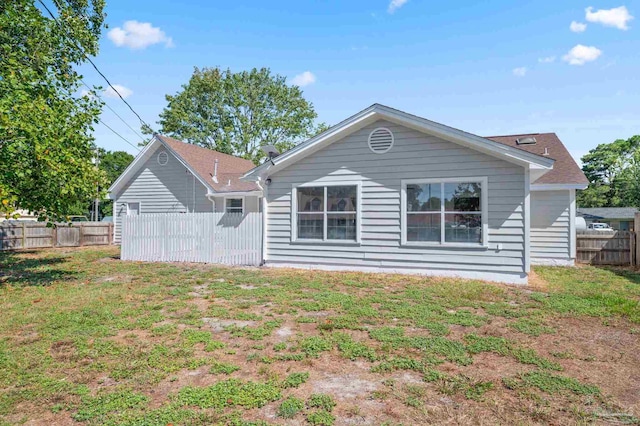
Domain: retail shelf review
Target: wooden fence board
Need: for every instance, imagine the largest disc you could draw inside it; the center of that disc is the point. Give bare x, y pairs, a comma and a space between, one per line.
605, 247
34, 235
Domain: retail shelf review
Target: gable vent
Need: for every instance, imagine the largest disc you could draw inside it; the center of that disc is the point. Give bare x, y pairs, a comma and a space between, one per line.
163, 158
526, 141
380, 140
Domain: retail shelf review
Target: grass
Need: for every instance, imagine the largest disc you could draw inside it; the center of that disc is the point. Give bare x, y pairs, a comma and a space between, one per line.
86, 338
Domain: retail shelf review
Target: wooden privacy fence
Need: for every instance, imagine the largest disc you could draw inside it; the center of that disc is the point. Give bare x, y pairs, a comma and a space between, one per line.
606, 247
31, 235
226, 238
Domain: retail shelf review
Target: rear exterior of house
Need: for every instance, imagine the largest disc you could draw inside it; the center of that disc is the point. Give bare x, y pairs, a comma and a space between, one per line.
170, 176
385, 191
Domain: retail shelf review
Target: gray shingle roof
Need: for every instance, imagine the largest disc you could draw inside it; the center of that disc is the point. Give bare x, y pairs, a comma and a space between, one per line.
607, 212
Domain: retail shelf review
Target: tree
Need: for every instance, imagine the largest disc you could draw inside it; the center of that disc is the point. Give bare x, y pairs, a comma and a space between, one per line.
113, 163
46, 146
237, 113
613, 171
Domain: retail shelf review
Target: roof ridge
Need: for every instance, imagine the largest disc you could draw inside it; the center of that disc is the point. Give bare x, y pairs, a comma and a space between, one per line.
519, 134
209, 150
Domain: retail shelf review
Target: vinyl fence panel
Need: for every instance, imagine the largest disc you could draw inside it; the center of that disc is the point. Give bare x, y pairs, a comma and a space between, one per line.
226, 238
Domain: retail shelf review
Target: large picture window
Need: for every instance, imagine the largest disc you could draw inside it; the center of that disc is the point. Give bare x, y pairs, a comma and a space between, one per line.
326, 213
447, 211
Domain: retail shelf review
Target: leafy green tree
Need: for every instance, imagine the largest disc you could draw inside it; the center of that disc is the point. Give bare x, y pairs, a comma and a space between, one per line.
113, 163
46, 146
613, 171
237, 113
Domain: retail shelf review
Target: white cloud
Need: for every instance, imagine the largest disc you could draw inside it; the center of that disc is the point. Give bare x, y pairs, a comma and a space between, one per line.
520, 72
547, 59
304, 79
138, 35
581, 54
395, 5
124, 91
617, 17
577, 27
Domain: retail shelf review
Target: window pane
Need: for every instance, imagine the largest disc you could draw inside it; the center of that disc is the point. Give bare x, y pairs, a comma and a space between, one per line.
423, 197
311, 199
342, 198
423, 227
463, 228
462, 197
341, 226
310, 226
234, 205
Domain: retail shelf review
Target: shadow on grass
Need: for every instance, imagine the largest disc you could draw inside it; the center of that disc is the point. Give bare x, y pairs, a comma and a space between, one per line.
629, 273
19, 270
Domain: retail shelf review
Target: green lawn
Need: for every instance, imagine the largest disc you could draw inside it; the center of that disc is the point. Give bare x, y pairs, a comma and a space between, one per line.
88, 339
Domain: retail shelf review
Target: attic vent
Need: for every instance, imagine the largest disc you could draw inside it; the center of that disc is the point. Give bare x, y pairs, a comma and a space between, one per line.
380, 140
163, 158
526, 141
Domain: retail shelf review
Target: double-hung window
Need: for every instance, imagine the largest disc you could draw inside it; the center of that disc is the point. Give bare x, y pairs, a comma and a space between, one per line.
234, 205
326, 213
445, 211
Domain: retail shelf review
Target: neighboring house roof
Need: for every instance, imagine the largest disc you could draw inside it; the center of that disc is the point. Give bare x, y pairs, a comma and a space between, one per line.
202, 161
376, 112
199, 161
608, 212
565, 169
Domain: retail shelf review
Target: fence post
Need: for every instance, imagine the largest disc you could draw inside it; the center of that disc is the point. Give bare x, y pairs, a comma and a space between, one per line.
24, 235
54, 236
81, 242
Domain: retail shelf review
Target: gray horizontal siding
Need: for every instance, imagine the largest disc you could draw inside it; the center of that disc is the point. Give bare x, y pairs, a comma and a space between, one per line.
162, 189
413, 156
550, 225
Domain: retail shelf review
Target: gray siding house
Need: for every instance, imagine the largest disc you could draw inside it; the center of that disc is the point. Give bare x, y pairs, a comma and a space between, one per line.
170, 176
387, 191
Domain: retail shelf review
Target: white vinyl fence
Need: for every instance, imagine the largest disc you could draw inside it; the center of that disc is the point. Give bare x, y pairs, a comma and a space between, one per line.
226, 238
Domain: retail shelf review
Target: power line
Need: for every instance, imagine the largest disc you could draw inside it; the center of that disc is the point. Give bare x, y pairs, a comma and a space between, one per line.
113, 111
92, 63
117, 134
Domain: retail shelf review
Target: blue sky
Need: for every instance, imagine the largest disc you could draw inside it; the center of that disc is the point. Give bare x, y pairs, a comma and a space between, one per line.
490, 68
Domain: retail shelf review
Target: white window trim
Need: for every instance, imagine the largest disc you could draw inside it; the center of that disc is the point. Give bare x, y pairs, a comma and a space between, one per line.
484, 206
236, 197
134, 202
324, 240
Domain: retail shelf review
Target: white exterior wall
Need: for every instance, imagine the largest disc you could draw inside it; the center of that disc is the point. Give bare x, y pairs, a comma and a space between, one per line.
162, 189
552, 230
414, 156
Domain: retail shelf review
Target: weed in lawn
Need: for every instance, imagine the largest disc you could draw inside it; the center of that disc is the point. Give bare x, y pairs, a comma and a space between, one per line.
398, 363
98, 407
321, 418
228, 393
223, 368
550, 383
322, 401
313, 345
352, 350
294, 380
504, 347
280, 346
290, 407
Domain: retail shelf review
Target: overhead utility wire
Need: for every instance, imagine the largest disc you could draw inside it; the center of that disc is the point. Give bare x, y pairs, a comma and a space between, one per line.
93, 64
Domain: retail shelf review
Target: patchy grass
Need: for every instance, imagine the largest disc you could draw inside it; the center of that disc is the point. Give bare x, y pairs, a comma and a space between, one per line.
88, 339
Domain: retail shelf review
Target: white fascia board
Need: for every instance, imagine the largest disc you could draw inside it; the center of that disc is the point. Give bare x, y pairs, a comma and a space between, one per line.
423, 125
235, 194
557, 186
133, 167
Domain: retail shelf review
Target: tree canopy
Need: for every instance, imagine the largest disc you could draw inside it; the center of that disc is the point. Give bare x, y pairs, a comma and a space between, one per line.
613, 170
46, 147
237, 113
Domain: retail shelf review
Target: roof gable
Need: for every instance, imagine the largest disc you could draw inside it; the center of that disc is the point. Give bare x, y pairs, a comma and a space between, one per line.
377, 112
199, 161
